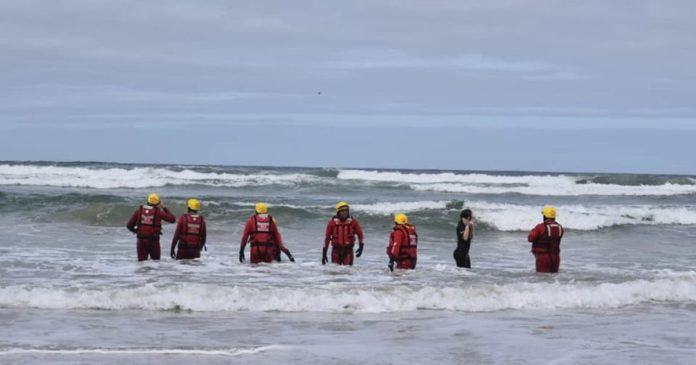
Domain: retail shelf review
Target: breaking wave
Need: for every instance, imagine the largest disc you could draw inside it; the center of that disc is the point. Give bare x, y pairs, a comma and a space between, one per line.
139, 177
543, 185
677, 287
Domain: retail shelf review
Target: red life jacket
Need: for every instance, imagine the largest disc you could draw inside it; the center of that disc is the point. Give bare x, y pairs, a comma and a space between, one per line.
409, 248
192, 229
262, 235
149, 223
550, 241
343, 232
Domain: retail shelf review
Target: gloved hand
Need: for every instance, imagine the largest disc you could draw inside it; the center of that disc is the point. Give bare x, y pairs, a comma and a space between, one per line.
324, 259
290, 257
172, 254
391, 265
358, 252
241, 256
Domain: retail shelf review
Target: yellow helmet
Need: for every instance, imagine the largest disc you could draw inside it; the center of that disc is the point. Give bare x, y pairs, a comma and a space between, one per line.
341, 206
400, 218
549, 211
194, 204
153, 199
261, 208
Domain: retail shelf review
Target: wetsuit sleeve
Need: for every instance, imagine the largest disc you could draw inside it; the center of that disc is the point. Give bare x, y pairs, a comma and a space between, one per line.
536, 233
204, 231
460, 231
329, 232
278, 238
245, 236
167, 216
179, 229
358, 231
132, 221
396, 245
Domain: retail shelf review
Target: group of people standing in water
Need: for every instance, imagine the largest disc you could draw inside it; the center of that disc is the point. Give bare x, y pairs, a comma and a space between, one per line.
261, 233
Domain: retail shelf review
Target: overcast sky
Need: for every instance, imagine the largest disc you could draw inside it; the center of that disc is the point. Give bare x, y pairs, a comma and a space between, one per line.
493, 85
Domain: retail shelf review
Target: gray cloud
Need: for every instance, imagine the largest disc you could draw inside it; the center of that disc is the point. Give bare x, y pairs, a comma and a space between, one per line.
108, 57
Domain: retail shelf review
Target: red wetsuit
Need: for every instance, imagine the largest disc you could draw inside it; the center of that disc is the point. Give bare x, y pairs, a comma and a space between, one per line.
341, 235
403, 246
146, 222
546, 245
190, 236
265, 240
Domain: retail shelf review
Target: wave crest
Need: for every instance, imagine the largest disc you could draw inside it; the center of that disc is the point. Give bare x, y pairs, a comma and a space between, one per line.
481, 298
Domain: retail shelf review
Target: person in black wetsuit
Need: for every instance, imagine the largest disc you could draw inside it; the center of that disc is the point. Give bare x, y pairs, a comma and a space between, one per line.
465, 233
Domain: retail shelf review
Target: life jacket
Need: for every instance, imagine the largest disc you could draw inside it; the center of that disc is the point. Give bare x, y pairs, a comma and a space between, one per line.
343, 233
262, 235
149, 223
192, 229
550, 241
409, 248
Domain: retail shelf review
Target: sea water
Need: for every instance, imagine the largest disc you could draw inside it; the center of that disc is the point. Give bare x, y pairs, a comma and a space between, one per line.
72, 291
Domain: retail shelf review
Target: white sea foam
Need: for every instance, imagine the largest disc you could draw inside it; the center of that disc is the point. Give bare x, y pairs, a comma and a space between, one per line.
388, 208
512, 217
475, 298
140, 177
448, 177
141, 351
541, 188
544, 185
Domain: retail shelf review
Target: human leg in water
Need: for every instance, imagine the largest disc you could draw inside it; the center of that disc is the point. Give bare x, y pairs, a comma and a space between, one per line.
543, 262
461, 256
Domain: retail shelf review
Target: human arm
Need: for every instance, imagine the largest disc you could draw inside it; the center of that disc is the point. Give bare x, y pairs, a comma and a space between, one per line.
175, 238
204, 232
245, 238
132, 222
329, 232
358, 232
536, 233
167, 215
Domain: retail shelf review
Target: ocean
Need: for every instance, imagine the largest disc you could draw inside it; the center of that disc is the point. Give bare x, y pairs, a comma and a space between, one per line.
72, 291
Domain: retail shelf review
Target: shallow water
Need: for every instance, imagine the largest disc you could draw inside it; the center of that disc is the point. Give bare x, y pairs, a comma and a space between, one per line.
72, 292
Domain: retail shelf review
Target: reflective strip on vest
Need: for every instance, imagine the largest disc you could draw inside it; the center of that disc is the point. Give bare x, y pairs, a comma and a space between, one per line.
551, 240
147, 216
262, 233
148, 225
408, 248
343, 232
193, 224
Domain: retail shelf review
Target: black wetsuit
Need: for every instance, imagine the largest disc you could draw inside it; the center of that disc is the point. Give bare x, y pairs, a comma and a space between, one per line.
461, 254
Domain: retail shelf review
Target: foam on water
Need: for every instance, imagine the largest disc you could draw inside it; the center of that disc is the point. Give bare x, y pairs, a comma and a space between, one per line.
569, 189
119, 176
143, 351
513, 217
423, 178
388, 208
139, 177
551, 185
673, 287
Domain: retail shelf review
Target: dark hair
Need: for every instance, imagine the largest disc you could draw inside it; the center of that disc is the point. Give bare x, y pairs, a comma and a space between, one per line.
466, 213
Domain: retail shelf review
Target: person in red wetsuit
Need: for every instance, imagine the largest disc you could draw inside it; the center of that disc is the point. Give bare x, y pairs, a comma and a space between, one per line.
403, 244
261, 232
190, 233
340, 233
546, 241
146, 223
